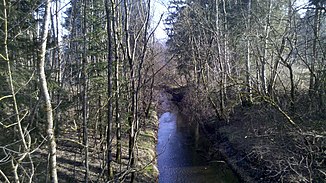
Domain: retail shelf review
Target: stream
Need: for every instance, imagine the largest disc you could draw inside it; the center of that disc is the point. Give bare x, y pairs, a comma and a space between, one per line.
180, 156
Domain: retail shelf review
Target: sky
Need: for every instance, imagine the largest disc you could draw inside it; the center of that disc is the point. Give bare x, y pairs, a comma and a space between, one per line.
160, 7
300, 5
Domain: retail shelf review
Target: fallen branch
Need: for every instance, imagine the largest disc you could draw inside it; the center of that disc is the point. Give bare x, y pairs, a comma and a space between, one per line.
276, 106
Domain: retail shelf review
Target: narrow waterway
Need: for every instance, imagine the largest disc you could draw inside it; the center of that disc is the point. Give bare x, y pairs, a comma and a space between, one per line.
180, 157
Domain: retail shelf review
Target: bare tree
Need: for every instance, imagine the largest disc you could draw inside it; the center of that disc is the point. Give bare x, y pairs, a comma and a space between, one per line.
16, 161
45, 93
109, 10
84, 91
248, 59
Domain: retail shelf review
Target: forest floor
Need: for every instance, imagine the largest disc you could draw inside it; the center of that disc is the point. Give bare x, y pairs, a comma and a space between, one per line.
70, 154
261, 145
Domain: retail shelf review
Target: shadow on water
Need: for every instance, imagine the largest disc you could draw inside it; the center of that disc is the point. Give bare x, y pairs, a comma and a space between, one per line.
179, 159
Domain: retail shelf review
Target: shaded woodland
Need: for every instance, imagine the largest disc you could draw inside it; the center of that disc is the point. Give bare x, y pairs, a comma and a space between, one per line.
79, 83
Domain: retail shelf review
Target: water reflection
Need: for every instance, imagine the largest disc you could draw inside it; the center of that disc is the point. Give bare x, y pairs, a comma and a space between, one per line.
168, 117
178, 160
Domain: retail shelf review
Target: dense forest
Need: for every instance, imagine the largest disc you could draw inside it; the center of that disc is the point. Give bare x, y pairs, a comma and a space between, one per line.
80, 80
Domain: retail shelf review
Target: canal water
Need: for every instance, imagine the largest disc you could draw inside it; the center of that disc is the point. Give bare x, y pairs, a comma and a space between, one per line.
180, 157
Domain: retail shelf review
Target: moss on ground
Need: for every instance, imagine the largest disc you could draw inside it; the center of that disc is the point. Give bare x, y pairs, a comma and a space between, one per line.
146, 142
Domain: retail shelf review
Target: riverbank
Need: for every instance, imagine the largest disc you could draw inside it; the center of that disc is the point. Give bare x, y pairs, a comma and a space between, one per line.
262, 146
259, 142
147, 157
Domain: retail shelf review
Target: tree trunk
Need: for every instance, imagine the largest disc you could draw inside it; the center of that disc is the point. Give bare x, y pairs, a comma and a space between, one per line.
109, 108
314, 60
15, 162
248, 98
115, 31
132, 109
266, 37
45, 92
84, 93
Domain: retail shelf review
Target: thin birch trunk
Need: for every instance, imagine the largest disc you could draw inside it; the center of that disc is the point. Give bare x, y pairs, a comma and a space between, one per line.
26, 145
248, 70
45, 92
264, 60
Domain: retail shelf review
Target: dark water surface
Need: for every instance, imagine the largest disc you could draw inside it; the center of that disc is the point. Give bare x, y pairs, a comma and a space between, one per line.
179, 156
